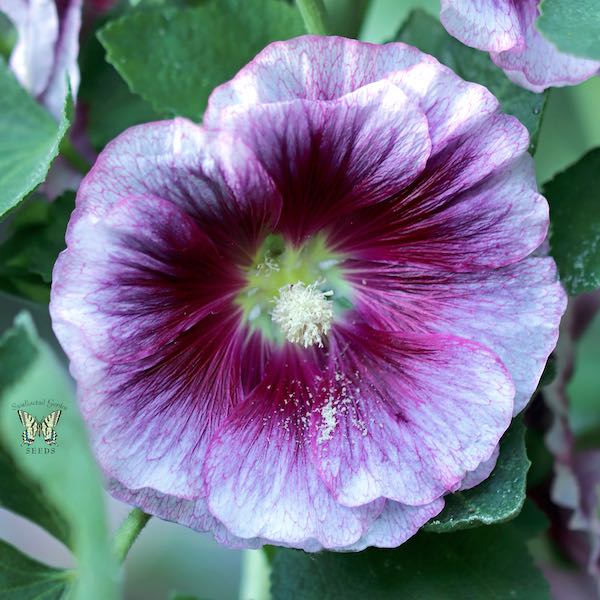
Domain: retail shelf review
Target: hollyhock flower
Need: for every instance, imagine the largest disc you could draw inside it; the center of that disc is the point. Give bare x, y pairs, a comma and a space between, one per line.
45, 56
506, 29
307, 321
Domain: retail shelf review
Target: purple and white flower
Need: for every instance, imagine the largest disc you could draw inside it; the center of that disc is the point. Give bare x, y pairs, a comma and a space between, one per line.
506, 29
308, 320
44, 59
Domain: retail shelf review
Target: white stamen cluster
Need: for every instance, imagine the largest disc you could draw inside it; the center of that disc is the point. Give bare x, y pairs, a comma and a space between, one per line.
304, 313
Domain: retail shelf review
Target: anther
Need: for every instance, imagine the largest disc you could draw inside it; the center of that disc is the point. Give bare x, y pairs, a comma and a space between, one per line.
304, 313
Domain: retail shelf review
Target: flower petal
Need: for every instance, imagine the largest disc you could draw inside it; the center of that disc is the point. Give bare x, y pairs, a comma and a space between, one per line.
408, 416
518, 314
475, 205
45, 56
149, 325
300, 69
452, 106
396, 524
311, 68
515, 311
507, 30
227, 193
64, 77
481, 473
328, 158
32, 58
190, 513
492, 25
537, 63
259, 477
138, 278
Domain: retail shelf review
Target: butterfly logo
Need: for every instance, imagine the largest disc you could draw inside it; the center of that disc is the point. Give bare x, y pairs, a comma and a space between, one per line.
44, 428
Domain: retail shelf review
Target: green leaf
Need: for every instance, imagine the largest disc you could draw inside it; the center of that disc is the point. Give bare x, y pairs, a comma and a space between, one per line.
582, 388
112, 108
427, 34
35, 237
531, 522
18, 492
174, 57
574, 199
542, 462
29, 142
346, 16
499, 498
8, 36
572, 26
22, 578
68, 481
25, 286
487, 562
24, 496
549, 374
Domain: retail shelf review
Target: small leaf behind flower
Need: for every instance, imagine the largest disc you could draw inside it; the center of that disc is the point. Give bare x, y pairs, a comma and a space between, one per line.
572, 26
574, 198
22, 578
174, 58
35, 236
499, 498
112, 107
29, 143
491, 563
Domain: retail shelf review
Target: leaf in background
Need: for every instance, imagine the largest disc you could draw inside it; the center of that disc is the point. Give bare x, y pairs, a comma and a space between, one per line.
499, 498
573, 26
582, 388
22, 578
531, 522
111, 107
25, 286
174, 57
25, 497
8, 36
68, 478
18, 492
427, 34
487, 562
549, 372
35, 237
29, 142
346, 16
574, 198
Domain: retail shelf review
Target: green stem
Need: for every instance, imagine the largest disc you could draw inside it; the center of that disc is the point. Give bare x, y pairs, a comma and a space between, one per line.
315, 16
68, 151
346, 17
128, 532
255, 577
